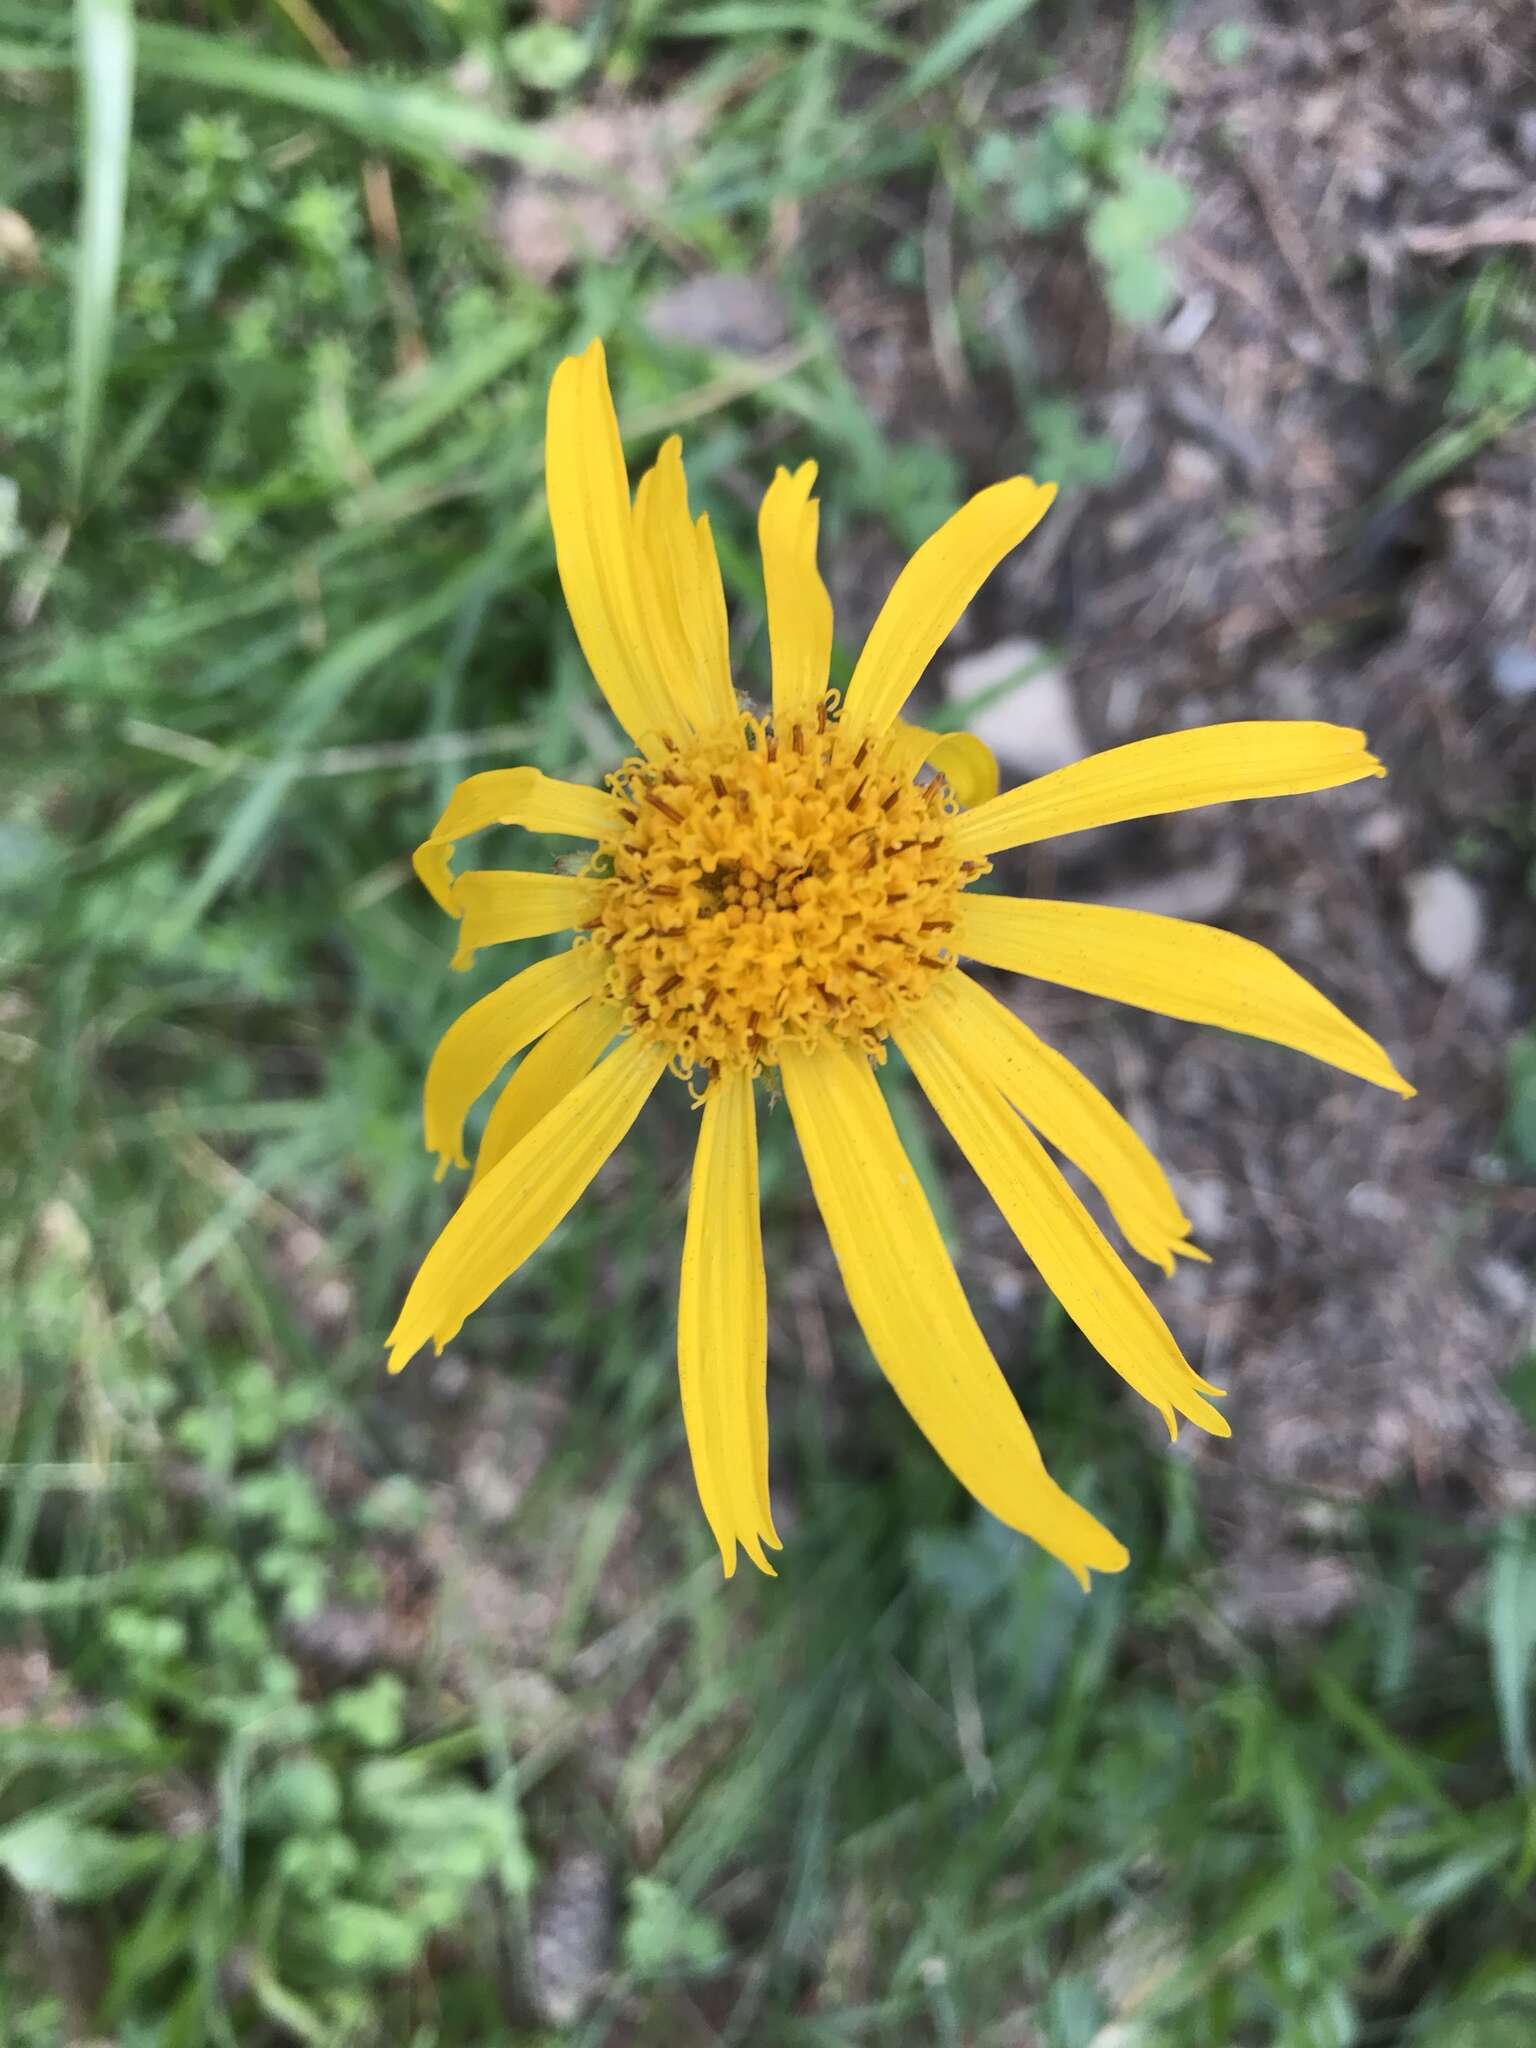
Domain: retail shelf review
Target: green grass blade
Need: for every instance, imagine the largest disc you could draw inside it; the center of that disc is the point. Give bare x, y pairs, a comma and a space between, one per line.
1512, 1639
104, 48
321, 692
972, 29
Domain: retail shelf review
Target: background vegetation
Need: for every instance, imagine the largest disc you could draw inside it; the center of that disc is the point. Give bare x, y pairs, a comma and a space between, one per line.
341, 1713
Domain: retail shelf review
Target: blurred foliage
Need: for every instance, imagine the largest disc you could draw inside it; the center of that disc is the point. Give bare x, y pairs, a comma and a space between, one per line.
1097, 172
920, 1791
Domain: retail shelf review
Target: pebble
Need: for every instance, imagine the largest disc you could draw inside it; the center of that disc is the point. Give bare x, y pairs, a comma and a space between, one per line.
1507, 1285
1381, 831
1202, 892
1445, 922
1513, 670
572, 1936
1034, 727
1193, 471
1207, 1202
719, 309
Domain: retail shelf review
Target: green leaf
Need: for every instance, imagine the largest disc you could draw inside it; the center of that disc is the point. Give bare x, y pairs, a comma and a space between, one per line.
372, 1714
664, 1937
300, 1794
547, 56
1520, 1121
1141, 288
1114, 231
1161, 201
104, 45
362, 1940
1502, 378
972, 28
1064, 449
66, 1859
1512, 1638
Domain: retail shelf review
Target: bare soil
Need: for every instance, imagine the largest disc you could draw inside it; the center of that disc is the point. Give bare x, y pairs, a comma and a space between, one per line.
1372, 1266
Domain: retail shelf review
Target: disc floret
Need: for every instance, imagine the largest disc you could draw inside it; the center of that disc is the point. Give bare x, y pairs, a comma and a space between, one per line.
776, 887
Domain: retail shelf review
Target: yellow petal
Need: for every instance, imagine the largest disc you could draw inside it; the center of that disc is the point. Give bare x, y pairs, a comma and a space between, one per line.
919, 1325
1180, 969
680, 588
549, 1070
799, 609
476, 1046
499, 904
512, 796
933, 590
716, 623
722, 1328
507, 1217
967, 764
1214, 764
1060, 1237
1069, 1112
589, 511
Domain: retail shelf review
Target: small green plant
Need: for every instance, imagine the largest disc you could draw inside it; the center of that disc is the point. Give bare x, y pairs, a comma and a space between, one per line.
1065, 448
1481, 339
1520, 1115
1098, 172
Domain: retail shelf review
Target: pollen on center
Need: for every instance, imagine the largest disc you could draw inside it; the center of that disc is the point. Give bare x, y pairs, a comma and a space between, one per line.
775, 888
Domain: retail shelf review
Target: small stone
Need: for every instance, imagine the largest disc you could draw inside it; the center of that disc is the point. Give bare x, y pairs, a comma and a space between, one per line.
745, 315
1381, 831
1193, 471
572, 1936
1034, 726
18, 242
1189, 324
1513, 670
546, 222
1008, 1289
1201, 892
473, 79
1372, 1202
1495, 995
1207, 1202
1445, 922
188, 524
346, 1636
1507, 1285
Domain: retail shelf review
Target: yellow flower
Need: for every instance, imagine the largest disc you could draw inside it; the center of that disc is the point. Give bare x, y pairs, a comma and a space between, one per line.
777, 896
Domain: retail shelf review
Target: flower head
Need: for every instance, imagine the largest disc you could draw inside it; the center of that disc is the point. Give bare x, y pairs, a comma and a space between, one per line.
783, 896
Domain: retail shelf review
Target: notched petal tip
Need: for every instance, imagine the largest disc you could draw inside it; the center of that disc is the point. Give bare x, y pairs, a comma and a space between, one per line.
1194, 1409
1108, 1555
432, 862
573, 364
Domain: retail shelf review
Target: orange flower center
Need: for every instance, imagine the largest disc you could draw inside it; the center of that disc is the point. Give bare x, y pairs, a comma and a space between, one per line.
775, 888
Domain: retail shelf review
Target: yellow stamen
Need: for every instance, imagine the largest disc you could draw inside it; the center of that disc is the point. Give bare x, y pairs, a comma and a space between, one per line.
742, 911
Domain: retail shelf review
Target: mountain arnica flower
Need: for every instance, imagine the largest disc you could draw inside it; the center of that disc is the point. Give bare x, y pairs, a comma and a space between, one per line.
774, 897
